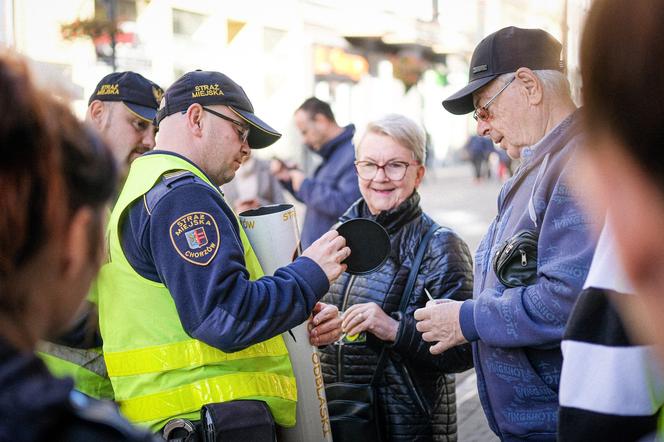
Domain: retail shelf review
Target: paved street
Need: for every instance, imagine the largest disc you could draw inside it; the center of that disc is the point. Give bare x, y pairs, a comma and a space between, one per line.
450, 196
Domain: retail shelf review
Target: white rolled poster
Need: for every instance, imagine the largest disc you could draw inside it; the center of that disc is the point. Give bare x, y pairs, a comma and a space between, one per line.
273, 233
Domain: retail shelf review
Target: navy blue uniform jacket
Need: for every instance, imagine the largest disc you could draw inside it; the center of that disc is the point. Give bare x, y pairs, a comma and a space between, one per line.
215, 300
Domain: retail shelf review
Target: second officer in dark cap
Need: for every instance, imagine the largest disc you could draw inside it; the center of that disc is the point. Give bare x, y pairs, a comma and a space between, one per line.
531, 265
122, 109
187, 317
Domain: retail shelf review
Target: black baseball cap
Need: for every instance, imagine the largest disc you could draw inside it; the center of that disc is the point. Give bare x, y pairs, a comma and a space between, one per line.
210, 88
503, 52
139, 94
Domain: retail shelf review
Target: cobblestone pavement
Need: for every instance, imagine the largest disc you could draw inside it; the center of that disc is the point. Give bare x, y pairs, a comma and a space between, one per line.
453, 199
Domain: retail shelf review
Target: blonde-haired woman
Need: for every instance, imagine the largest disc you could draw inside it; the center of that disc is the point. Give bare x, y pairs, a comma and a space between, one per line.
416, 400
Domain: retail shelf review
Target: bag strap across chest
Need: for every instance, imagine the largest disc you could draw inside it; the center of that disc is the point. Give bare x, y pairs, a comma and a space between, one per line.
407, 293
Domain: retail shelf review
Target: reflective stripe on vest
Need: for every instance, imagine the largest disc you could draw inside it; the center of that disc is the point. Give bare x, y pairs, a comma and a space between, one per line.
86, 367
157, 370
185, 354
220, 389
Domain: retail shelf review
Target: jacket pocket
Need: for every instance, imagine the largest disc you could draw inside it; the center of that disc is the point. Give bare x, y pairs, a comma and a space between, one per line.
413, 391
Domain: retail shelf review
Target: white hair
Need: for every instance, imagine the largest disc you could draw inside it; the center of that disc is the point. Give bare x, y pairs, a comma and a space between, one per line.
552, 81
401, 129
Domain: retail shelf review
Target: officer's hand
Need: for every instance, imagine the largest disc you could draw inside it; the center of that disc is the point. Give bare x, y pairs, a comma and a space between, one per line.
325, 325
328, 251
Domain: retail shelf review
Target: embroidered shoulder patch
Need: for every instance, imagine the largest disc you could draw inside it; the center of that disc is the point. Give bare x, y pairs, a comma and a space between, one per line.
195, 237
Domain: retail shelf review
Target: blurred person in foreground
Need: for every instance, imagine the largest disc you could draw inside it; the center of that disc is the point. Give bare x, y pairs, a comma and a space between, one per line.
416, 395
121, 109
521, 99
610, 386
57, 179
623, 162
187, 317
332, 188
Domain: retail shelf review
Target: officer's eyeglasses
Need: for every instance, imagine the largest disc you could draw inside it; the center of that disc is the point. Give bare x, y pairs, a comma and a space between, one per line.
394, 170
482, 112
243, 133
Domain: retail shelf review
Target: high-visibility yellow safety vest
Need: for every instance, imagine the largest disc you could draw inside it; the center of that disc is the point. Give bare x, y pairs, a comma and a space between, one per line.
159, 372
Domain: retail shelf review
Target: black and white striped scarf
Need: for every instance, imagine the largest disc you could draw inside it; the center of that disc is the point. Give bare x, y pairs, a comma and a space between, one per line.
609, 388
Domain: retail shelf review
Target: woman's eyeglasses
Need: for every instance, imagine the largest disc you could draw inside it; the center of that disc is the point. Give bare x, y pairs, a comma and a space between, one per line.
394, 170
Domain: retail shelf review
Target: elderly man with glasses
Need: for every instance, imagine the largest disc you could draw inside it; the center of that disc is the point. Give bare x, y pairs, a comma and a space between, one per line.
530, 266
186, 315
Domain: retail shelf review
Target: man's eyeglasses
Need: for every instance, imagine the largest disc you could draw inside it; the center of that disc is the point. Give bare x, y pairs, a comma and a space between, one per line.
394, 170
244, 130
482, 112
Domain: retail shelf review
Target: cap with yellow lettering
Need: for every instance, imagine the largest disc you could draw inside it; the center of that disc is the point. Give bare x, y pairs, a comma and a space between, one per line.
210, 88
139, 94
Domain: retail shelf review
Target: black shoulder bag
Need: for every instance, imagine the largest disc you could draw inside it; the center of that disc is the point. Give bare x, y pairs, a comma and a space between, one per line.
515, 260
353, 408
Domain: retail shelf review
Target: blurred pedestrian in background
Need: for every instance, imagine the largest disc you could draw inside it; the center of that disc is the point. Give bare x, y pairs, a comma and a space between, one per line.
531, 264
333, 186
623, 170
253, 186
479, 149
57, 179
416, 394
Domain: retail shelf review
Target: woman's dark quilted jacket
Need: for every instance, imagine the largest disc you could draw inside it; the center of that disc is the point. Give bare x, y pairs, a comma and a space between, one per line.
416, 398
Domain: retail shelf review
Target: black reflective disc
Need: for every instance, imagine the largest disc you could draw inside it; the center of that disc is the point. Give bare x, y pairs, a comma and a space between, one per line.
369, 245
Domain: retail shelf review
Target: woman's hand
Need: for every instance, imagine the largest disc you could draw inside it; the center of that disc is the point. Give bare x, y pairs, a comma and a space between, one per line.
371, 318
325, 324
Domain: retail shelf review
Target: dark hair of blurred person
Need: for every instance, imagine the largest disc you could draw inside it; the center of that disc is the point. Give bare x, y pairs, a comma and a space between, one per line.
314, 106
56, 178
623, 90
621, 56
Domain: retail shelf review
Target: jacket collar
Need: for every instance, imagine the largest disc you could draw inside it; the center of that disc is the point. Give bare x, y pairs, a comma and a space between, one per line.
392, 220
344, 137
551, 141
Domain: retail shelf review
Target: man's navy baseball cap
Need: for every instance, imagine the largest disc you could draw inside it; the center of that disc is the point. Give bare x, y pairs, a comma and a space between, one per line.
210, 88
503, 52
139, 94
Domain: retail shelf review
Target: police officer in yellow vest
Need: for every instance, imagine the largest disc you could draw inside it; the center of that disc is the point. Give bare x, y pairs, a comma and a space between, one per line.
122, 109
186, 315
